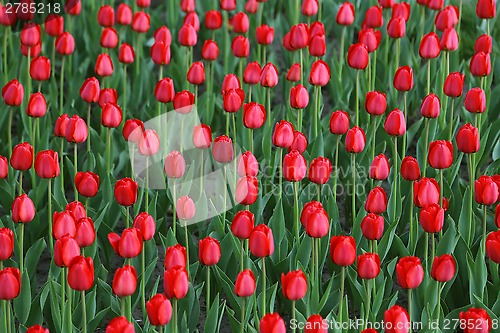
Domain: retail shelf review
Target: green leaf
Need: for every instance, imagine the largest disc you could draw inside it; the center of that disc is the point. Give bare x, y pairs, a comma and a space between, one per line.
22, 303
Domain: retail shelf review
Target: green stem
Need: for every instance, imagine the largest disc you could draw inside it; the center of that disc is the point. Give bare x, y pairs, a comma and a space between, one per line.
61, 87
353, 198
84, 313
471, 195
341, 52
242, 326
405, 112
410, 307
127, 217
428, 77
395, 178
9, 317
125, 91
146, 186
233, 118
301, 59
450, 136
316, 260
21, 246
268, 107
63, 288
316, 111
123, 307
4, 307
368, 299
108, 152
293, 317
357, 97
412, 231
4, 54
299, 120
70, 296
208, 288
438, 304
336, 176
49, 198
433, 246
88, 138
174, 209
426, 146
143, 281
20, 183
426, 252
241, 255
281, 173
9, 131
374, 70
297, 11
186, 236
483, 241
342, 284
263, 286
296, 209
75, 162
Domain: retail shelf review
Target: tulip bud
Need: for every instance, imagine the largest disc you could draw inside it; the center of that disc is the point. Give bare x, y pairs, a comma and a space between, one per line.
264, 34
272, 322
247, 165
261, 241
480, 64
245, 284
120, 325
13, 93
125, 191
345, 14
47, 164
202, 136
485, 191
10, 279
160, 53
410, 169
124, 14
63, 224
343, 250
111, 115
269, 76
30, 34
483, 44
403, 79
247, 190
375, 103
299, 142
196, 73
401, 9
107, 95
432, 218
159, 310
380, 167
23, 209
149, 143
449, 40
425, 192
468, 139
132, 130
233, 99
294, 285
37, 329
209, 251
376, 201
141, 22
317, 46
396, 28
186, 210
222, 149
164, 90
251, 6
320, 73
374, 17
294, 73
162, 34
85, 232
243, 224
175, 256
440, 154
492, 245
106, 16
396, 317
213, 19
210, 50
320, 170
294, 166
283, 134
339, 122
76, 130
176, 282
240, 23
443, 268
431, 106
370, 39
409, 272
230, 81
299, 97
65, 44
4, 167
6, 243
183, 102
54, 25
175, 165
254, 115
40, 68
357, 56
125, 281
65, 250
486, 9
299, 36
475, 100
129, 245
104, 65
310, 7
368, 265
187, 35
90, 90
372, 226
22, 157
355, 140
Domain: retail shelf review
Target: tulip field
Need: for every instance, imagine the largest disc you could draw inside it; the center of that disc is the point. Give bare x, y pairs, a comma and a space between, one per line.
249, 166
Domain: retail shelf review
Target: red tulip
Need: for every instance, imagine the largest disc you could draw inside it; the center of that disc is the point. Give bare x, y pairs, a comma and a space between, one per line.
355, 140
272, 322
320, 73
339, 122
123, 14
440, 154
396, 28
370, 38
6, 243
401, 9
106, 16
310, 7
104, 65
380, 167
432, 218
146, 225
251, 75
485, 191
66, 249
76, 130
245, 283
409, 272
63, 224
299, 36
222, 149
125, 281
22, 156
299, 97
373, 17
160, 53
247, 189
149, 143
410, 169
85, 232
357, 56
486, 9
233, 99
254, 115
372, 226
213, 19
30, 34
183, 102
294, 166
320, 170
368, 265
264, 34
10, 279
120, 325
126, 191
107, 95
202, 136
492, 246
243, 224
299, 142
251, 6
446, 18
240, 23
141, 22
34, 51
443, 268
176, 282
164, 90
40, 68
376, 201
175, 256
435, 4
186, 209
65, 43
37, 329
449, 40
431, 106
162, 34
343, 250
76, 209
54, 25
175, 165
159, 310
111, 115
397, 320
247, 165
129, 245
13, 93
90, 90
261, 241
210, 50
294, 285
132, 130
316, 324
230, 81
317, 45
315, 220
480, 64
81, 274
269, 76
483, 44
7, 18
196, 73
468, 139
345, 14
187, 35
294, 73
476, 320
188, 6
23, 209
475, 100
403, 79
283, 134
4, 167
425, 192
209, 252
